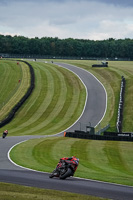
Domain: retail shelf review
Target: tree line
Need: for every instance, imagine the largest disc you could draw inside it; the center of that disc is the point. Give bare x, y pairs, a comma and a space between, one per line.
109, 48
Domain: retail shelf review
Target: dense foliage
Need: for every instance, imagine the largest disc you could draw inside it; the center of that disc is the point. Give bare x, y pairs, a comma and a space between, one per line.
110, 48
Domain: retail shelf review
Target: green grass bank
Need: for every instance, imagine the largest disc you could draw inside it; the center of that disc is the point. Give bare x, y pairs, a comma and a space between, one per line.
56, 102
57, 91
109, 161
17, 192
15, 80
110, 77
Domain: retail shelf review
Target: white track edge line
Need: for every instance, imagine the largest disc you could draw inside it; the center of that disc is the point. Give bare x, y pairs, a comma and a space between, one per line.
97, 181
8, 155
86, 88
69, 127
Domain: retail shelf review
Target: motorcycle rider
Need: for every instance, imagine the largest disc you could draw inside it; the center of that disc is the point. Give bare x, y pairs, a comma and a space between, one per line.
73, 161
70, 160
5, 133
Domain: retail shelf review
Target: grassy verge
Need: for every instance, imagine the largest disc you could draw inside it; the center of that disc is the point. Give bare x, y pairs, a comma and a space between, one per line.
56, 102
58, 93
12, 90
111, 79
15, 192
109, 161
10, 73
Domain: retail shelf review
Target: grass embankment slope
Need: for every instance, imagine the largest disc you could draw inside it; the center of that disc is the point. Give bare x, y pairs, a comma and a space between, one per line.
111, 79
56, 102
58, 98
14, 81
109, 161
102, 160
17, 192
54, 89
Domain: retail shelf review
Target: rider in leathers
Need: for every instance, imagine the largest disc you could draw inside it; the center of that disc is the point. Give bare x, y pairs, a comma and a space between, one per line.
71, 160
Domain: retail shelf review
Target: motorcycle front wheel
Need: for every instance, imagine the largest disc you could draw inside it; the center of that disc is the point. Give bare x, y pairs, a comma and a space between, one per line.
68, 173
3, 136
53, 174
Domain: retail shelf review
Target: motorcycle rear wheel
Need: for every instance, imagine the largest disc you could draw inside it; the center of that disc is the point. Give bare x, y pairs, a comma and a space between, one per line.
68, 173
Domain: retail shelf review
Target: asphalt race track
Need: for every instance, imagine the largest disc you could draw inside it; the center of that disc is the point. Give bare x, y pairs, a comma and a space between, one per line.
94, 111
96, 101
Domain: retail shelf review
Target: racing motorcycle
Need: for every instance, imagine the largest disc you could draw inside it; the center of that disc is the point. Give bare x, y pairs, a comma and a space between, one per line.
4, 134
64, 169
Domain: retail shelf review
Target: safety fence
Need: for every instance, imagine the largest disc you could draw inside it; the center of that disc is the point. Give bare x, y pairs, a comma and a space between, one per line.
107, 136
38, 56
102, 130
103, 64
120, 108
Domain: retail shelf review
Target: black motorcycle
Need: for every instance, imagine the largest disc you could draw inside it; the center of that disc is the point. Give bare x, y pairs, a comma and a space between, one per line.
4, 135
64, 169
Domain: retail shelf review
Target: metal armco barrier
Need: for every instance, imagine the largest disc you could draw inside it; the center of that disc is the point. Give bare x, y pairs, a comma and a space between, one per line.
121, 103
107, 136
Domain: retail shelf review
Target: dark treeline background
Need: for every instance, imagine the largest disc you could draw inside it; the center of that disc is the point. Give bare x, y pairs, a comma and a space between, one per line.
109, 48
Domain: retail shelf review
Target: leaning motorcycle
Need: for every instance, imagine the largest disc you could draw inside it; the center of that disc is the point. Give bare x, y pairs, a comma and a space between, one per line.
64, 169
4, 135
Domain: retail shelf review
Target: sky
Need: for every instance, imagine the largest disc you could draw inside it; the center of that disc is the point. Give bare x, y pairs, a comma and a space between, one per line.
78, 19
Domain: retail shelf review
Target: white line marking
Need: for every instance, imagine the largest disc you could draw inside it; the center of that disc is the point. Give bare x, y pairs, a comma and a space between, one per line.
49, 173
86, 90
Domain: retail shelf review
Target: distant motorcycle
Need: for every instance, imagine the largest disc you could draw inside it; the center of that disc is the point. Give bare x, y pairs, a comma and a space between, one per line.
65, 168
4, 134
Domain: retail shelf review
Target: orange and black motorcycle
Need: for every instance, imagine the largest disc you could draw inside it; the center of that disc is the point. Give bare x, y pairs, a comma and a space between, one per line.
65, 168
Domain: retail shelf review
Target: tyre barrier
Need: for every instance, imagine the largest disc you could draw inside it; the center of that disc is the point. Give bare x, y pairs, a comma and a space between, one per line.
107, 136
104, 64
120, 108
23, 99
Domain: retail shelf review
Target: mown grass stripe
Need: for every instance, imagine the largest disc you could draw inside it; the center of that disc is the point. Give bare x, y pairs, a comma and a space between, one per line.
5, 79
10, 73
45, 95
114, 157
56, 103
112, 85
46, 101
72, 101
126, 152
27, 110
59, 94
128, 106
113, 74
50, 108
29, 107
19, 93
101, 160
65, 100
14, 191
67, 115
